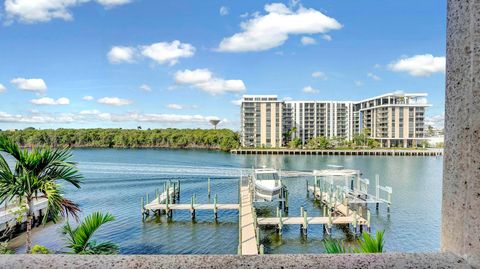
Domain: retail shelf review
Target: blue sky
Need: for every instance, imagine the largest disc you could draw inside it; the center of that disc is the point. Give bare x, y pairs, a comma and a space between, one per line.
179, 63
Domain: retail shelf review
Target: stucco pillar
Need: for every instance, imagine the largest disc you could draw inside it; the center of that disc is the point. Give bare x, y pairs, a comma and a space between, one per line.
461, 177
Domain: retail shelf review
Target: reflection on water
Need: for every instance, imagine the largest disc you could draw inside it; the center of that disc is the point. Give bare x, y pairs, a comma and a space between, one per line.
115, 180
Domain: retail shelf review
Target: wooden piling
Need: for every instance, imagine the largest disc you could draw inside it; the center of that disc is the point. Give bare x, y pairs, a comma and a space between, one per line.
215, 201
209, 189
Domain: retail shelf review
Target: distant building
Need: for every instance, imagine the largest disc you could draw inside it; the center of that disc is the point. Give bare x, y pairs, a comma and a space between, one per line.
395, 120
261, 121
310, 119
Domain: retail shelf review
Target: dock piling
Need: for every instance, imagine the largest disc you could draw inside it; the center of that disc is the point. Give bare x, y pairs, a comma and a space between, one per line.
209, 188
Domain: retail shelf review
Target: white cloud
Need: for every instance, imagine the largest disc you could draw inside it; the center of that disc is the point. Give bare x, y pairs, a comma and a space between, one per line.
436, 121
377, 66
319, 75
114, 101
36, 117
327, 37
165, 52
119, 54
88, 98
47, 101
373, 76
175, 106
145, 88
224, 11
88, 116
310, 89
32, 11
89, 112
32, 84
419, 65
113, 3
272, 29
237, 102
306, 40
153, 117
2, 88
358, 83
204, 80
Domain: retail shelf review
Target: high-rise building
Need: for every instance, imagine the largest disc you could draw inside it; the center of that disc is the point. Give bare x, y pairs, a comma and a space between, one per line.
261, 121
393, 119
310, 119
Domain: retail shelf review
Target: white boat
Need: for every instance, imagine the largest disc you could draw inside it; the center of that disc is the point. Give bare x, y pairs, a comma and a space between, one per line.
268, 185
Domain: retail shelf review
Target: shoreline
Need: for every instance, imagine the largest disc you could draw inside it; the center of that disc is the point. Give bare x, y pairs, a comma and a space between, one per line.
340, 152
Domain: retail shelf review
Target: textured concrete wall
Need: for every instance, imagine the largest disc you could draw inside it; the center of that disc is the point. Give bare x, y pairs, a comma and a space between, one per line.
461, 182
377, 261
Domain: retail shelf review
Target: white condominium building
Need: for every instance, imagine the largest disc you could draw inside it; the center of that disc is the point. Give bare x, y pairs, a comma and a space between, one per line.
261, 121
310, 119
395, 120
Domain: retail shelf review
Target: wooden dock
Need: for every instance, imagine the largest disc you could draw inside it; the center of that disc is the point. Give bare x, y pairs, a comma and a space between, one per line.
248, 237
309, 220
359, 152
337, 208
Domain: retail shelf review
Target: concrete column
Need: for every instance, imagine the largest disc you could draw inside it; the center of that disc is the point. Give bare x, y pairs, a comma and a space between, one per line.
461, 175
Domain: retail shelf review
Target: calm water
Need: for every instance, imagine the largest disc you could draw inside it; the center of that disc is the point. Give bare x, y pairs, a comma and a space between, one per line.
116, 179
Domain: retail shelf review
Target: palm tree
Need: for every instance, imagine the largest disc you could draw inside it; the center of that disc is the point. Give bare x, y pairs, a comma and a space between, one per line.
79, 238
35, 175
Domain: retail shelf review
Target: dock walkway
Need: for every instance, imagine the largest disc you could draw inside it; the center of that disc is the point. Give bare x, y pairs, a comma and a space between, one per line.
247, 221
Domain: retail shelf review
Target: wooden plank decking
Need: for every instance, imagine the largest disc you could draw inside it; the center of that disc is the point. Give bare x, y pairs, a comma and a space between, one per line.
310, 220
249, 237
157, 206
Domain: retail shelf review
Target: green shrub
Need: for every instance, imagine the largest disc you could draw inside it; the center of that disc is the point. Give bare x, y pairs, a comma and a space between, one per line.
37, 249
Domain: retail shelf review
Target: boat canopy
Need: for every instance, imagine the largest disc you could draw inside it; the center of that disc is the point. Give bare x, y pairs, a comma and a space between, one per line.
336, 172
266, 174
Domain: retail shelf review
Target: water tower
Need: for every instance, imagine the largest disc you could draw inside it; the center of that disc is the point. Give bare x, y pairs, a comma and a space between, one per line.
214, 123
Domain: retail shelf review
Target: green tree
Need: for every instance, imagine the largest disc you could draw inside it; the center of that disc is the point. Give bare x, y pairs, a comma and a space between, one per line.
320, 142
35, 175
295, 143
79, 239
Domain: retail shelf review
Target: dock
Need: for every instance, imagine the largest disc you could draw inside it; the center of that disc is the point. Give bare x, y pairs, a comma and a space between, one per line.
12, 214
358, 152
341, 205
248, 231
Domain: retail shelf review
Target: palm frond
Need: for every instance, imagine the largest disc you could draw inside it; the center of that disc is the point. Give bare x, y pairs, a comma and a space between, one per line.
79, 239
9, 146
371, 244
57, 204
105, 248
334, 246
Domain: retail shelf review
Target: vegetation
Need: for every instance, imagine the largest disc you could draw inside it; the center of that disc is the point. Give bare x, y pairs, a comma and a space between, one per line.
370, 244
80, 238
4, 248
223, 139
36, 174
38, 249
366, 244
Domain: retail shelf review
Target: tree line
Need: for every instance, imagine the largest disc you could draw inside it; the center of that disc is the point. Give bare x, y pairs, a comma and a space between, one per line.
221, 139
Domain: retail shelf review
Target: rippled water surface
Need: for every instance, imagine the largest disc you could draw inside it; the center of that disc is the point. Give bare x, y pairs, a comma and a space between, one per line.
115, 181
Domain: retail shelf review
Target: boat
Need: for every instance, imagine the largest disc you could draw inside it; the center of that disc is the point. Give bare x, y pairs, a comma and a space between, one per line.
268, 186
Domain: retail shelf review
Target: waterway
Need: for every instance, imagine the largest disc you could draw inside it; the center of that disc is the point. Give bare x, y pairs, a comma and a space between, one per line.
116, 179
